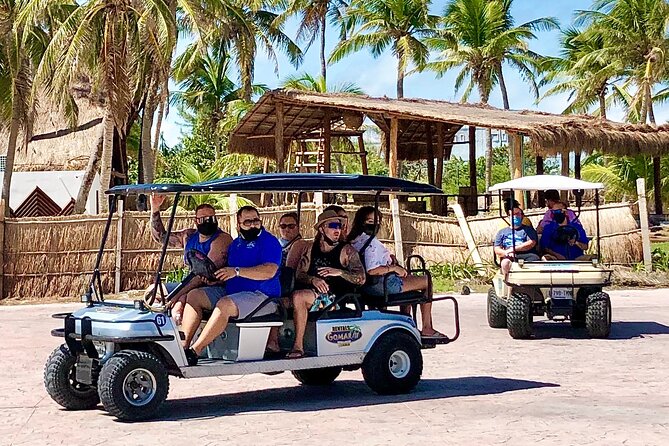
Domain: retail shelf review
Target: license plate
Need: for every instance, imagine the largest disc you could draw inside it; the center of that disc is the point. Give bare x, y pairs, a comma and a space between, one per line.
84, 369
562, 293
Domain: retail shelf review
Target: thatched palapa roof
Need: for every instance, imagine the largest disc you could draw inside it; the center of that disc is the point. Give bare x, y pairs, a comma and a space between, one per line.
549, 133
55, 146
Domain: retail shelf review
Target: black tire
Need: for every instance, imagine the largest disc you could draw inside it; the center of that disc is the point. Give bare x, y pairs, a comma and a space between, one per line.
317, 377
496, 310
61, 385
598, 315
578, 311
519, 316
140, 368
466, 291
394, 364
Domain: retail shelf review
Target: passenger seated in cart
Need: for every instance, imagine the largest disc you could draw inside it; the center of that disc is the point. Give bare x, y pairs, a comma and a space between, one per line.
289, 233
553, 203
343, 215
564, 240
379, 261
252, 276
330, 268
207, 238
509, 204
518, 242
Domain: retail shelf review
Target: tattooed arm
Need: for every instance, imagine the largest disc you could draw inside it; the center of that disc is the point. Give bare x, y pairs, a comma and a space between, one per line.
158, 232
302, 269
355, 272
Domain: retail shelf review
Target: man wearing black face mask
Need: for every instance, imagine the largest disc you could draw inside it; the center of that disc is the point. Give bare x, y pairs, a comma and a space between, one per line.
329, 268
252, 276
563, 239
208, 238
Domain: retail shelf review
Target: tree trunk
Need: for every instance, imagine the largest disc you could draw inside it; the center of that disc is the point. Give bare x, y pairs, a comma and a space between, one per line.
400, 80
9, 161
657, 167
89, 176
323, 62
106, 159
146, 148
502, 87
602, 102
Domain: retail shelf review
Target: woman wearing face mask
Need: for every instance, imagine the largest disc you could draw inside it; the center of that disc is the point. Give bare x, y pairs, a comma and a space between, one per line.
379, 261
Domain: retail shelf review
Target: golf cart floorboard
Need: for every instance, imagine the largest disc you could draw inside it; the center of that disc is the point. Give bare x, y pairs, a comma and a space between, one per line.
221, 367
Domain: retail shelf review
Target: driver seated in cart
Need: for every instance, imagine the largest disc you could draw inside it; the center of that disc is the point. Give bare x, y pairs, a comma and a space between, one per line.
563, 239
206, 237
516, 242
251, 277
329, 268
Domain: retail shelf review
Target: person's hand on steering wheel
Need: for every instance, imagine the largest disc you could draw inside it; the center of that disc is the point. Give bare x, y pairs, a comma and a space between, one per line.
225, 273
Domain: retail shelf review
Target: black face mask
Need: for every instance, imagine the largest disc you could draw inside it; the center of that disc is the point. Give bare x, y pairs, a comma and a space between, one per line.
559, 217
329, 241
369, 228
207, 228
250, 234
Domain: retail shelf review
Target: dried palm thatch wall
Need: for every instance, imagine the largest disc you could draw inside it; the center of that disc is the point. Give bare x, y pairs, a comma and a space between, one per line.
54, 256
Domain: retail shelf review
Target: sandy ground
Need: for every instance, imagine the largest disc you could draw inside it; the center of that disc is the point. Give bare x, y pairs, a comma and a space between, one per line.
560, 388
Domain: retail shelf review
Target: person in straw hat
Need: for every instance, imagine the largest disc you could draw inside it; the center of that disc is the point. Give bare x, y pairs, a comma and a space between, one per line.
329, 268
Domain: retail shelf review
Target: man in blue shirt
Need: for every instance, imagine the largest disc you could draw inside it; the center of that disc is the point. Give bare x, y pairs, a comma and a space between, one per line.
252, 276
564, 240
516, 243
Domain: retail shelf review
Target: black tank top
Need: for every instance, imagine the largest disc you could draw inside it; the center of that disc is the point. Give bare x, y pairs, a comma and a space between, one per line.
332, 259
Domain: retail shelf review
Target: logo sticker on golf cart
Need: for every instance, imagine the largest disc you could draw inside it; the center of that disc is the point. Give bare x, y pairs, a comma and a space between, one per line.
344, 334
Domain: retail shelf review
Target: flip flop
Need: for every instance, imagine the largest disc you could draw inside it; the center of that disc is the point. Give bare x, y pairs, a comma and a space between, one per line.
295, 354
435, 335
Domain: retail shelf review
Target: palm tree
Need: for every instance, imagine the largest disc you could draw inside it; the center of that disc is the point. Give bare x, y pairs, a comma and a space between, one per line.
306, 82
398, 24
478, 37
314, 15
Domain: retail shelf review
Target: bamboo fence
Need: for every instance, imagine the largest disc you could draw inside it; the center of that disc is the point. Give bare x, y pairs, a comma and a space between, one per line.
54, 256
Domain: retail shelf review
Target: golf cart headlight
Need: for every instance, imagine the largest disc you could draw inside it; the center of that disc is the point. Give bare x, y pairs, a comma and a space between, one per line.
521, 262
595, 261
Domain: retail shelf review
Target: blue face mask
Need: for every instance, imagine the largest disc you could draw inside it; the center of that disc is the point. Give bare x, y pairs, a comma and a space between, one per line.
517, 221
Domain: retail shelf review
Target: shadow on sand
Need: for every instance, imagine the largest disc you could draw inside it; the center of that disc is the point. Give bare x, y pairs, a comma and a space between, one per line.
619, 330
342, 394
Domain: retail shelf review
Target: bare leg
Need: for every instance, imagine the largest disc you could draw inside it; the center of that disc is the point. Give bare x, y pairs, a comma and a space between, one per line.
419, 283
273, 339
505, 266
196, 301
225, 309
302, 301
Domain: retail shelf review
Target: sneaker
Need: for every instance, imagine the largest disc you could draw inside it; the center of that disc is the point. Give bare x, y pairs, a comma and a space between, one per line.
191, 357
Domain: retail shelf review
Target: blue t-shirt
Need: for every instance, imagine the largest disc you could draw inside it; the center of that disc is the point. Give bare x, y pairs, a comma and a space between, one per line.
521, 235
556, 238
244, 254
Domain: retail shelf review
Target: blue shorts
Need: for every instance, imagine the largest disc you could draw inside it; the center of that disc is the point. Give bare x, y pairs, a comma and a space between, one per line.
394, 284
214, 293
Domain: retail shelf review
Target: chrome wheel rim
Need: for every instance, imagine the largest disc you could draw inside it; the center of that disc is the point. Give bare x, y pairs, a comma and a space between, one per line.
139, 387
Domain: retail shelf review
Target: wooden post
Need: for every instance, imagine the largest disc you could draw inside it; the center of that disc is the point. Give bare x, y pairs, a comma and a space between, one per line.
327, 142
430, 153
363, 155
318, 202
472, 159
397, 229
577, 164
439, 169
469, 238
118, 249
2, 249
643, 218
278, 137
233, 208
564, 171
516, 143
263, 196
657, 186
393, 161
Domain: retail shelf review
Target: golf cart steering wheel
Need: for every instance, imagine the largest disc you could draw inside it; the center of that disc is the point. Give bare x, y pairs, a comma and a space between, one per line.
201, 265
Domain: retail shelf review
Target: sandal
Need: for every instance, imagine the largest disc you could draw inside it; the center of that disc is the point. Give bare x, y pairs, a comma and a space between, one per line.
435, 335
295, 354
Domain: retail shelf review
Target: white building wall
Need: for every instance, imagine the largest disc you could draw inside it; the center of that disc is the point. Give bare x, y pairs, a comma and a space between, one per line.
461, 150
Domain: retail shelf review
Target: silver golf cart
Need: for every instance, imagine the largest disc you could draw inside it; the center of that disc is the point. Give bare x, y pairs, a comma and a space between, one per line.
561, 289
121, 353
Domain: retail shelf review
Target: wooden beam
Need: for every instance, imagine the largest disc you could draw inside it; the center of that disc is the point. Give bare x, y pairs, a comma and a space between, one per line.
472, 159
577, 164
430, 152
515, 149
278, 138
564, 171
657, 185
643, 219
363, 155
439, 172
327, 142
393, 161
541, 201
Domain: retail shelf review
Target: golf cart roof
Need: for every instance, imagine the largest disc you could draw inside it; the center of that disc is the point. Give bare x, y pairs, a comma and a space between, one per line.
288, 182
545, 182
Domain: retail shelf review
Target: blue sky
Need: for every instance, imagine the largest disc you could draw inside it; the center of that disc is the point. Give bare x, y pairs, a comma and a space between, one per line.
377, 77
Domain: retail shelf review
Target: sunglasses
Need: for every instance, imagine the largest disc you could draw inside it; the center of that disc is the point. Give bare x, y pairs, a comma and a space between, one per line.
334, 225
207, 219
288, 226
251, 222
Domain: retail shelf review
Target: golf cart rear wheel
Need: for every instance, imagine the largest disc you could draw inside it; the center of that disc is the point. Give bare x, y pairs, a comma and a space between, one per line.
496, 310
133, 385
598, 315
394, 364
61, 383
519, 316
317, 377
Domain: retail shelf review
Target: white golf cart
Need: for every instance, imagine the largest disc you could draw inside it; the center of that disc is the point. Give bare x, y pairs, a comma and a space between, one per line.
561, 289
121, 353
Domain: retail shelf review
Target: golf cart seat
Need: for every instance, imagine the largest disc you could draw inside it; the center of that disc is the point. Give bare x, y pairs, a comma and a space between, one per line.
405, 298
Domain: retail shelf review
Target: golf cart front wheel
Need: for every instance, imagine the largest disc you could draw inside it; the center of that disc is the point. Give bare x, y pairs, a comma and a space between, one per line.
394, 364
496, 310
317, 377
519, 316
61, 383
598, 315
133, 385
